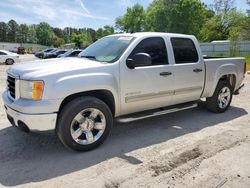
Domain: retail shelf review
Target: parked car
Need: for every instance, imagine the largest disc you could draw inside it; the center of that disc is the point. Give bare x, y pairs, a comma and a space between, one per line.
54, 54
41, 53
71, 53
125, 77
8, 58
21, 50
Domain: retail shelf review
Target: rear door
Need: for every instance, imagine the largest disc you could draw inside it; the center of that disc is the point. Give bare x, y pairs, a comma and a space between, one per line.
189, 70
150, 86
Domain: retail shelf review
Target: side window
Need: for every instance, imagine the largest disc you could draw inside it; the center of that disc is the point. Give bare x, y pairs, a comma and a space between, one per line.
155, 47
184, 50
2, 53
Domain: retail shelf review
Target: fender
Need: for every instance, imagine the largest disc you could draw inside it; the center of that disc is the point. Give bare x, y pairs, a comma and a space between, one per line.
226, 69
83, 83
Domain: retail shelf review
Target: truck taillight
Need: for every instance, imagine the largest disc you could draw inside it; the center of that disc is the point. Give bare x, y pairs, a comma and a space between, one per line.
245, 69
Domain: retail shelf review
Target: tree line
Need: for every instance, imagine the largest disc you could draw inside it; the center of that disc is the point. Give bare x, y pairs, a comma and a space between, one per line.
219, 21
44, 34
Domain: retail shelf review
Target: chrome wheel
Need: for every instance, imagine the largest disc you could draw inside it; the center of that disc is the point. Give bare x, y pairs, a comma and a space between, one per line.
88, 126
224, 97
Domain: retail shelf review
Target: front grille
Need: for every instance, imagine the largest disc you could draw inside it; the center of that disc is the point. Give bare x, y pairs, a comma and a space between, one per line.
11, 84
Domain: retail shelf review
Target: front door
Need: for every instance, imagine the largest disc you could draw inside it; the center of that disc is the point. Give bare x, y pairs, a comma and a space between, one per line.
147, 87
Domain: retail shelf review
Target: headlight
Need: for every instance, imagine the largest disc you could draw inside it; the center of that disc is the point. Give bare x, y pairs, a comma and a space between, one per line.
31, 89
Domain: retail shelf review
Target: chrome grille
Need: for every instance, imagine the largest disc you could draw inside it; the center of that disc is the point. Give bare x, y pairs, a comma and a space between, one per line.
11, 84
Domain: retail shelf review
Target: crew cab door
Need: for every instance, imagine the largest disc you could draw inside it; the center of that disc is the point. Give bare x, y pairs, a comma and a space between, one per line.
189, 70
147, 87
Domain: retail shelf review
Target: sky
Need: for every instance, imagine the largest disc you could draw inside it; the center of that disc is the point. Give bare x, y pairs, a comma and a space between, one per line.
74, 13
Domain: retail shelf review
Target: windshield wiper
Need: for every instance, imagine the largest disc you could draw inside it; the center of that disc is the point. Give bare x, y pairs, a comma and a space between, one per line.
89, 56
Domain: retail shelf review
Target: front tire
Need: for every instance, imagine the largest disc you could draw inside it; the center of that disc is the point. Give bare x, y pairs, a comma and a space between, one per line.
84, 123
9, 62
221, 99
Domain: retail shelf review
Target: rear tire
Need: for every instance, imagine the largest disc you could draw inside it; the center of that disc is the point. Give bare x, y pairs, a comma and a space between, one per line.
84, 123
9, 62
221, 99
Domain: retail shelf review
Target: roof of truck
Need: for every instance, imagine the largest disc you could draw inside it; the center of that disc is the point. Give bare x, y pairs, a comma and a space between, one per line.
143, 34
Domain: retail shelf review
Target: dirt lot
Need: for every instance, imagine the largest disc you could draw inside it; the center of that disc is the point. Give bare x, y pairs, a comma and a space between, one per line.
193, 148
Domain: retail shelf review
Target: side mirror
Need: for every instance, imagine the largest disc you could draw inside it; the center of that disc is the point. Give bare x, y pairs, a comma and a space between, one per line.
139, 60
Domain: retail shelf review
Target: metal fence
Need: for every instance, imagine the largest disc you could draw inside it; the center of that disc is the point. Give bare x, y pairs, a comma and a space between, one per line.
14, 46
226, 48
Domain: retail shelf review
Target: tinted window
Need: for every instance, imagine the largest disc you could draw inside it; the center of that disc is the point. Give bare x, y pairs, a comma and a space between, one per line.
2, 53
184, 50
155, 47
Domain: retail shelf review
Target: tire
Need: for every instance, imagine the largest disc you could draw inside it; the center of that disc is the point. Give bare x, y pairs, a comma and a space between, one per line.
9, 62
221, 99
81, 122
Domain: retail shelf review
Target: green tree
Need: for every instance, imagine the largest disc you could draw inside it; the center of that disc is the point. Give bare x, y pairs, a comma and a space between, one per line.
32, 34
79, 39
13, 28
23, 33
133, 20
57, 41
44, 34
223, 26
179, 16
3, 31
104, 31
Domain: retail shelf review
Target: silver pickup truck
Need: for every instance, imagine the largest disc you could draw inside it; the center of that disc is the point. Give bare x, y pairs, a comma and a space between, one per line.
125, 77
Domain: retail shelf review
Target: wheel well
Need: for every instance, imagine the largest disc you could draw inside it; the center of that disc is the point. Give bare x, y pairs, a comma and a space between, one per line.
104, 95
231, 78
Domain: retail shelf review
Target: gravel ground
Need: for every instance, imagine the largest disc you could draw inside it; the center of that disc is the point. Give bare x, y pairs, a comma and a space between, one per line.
192, 148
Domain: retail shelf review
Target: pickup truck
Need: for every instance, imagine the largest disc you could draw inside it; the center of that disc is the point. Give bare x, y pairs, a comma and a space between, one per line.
122, 77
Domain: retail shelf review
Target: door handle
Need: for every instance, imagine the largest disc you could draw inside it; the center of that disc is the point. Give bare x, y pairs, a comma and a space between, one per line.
197, 70
165, 73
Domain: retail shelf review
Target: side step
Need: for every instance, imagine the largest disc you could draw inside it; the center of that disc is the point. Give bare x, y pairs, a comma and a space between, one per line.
156, 112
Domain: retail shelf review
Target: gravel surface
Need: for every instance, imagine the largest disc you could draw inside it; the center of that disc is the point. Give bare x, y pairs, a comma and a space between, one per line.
192, 148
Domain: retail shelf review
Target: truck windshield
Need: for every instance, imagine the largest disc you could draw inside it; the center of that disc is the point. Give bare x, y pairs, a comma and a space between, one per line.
107, 49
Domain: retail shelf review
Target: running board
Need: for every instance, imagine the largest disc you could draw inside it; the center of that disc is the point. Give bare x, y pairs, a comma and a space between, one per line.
155, 112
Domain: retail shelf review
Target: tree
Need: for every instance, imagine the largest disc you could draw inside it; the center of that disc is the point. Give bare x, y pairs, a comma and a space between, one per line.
78, 39
44, 34
13, 28
133, 20
57, 41
180, 16
227, 23
23, 33
106, 30
32, 34
3, 32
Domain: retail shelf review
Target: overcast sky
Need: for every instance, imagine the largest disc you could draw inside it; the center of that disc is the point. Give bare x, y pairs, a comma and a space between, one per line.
73, 13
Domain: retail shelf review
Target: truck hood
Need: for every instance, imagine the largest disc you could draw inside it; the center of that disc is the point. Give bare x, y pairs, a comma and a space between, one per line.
43, 68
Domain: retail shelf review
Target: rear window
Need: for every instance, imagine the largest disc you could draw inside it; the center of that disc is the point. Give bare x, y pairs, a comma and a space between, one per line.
184, 50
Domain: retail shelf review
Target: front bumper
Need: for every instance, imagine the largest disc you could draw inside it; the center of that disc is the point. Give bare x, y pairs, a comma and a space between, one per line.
40, 115
41, 122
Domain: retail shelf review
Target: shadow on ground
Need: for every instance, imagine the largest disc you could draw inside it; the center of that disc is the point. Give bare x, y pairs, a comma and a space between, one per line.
40, 156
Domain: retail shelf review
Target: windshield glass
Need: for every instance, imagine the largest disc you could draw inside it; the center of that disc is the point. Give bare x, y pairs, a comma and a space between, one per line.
107, 49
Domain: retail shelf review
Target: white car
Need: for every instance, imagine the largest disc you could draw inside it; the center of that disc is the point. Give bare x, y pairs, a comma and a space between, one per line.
8, 58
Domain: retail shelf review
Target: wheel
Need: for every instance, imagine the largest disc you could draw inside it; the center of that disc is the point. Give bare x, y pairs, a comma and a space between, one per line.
9, 62
84, 123
221, 98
